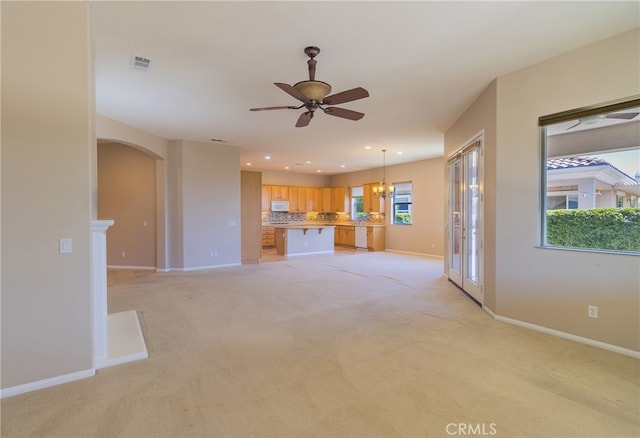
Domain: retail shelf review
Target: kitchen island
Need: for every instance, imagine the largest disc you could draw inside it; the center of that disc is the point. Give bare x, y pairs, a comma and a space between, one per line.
298, 240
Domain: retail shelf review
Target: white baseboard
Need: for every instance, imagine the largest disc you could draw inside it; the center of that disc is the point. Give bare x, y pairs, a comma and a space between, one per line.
125, 342
199, 268
137, 268
614, 348
46, 383
311, 253
421, 254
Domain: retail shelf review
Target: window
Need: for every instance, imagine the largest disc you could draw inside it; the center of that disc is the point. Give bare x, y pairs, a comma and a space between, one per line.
557, 202
588, 198
357, 204
402, 204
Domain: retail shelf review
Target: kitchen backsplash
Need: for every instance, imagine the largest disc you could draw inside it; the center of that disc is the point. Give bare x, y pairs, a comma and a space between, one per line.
275, 217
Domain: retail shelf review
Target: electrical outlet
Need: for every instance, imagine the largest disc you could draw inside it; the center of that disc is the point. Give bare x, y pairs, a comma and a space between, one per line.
65, 246
592, 311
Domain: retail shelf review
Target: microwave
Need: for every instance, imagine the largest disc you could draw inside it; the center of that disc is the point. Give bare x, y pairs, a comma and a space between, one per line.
279, 205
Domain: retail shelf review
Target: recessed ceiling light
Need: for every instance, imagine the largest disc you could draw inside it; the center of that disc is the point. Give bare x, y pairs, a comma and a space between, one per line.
286, 167
248, 164
308, 162
318, 170
399, 153
367, 147
267, 157
343, 165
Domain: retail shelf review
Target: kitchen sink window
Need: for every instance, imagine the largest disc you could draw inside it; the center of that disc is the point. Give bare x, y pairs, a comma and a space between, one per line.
402, 203
357, 204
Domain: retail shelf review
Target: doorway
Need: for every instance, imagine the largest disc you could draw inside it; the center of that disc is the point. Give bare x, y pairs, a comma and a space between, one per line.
466, 197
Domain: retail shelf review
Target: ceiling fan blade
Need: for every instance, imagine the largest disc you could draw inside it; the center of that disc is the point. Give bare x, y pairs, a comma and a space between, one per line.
304, 119
625, 116
346, 96
574, 125
267, 108
291, 91
344, 113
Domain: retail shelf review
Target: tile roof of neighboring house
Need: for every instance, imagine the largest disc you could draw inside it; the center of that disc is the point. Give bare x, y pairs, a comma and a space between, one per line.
565, 163
573, 162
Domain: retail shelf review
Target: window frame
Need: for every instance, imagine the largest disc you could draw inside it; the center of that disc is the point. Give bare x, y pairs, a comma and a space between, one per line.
408, 204
551, 119
354, 202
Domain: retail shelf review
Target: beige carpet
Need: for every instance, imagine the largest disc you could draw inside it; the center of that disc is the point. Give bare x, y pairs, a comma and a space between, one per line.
360, 345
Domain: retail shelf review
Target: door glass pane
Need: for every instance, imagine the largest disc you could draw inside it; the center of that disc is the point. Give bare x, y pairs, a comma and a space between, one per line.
471, 215
455, 219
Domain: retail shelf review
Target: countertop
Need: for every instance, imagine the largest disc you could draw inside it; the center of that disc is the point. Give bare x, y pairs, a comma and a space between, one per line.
302, 226
320, 225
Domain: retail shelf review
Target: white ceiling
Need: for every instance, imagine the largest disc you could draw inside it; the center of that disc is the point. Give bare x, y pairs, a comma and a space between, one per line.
423, 64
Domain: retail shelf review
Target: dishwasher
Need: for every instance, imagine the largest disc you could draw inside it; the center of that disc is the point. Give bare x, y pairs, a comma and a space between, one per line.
361, 237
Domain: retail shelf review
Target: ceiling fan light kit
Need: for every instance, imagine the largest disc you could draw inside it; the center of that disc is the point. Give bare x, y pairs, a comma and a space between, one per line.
313, 90
314, 94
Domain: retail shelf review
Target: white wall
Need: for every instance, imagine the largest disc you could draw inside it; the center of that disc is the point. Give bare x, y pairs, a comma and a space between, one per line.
47, 144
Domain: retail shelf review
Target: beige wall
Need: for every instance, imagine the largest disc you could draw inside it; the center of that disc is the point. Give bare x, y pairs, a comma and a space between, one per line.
47, 142
545, 287
425, 235
127, 194
109, 130
208, 189
480, 118
271, 177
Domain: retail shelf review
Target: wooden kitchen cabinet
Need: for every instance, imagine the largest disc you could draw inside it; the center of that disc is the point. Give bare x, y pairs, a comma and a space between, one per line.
371, 202
293, 199
307, 199
302, 199
339, 200
268, 236
345, 235
266, 198
327, 204
279, 193
314, 199
375, 238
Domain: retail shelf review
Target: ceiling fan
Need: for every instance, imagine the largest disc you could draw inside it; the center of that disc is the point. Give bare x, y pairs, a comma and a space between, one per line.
590, 120
313, 95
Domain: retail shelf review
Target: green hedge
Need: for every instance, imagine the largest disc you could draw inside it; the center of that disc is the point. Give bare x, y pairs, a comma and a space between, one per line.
615, 229
403, 218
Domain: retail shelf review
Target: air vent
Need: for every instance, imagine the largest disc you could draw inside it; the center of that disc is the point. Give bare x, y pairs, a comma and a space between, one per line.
218, 140
140, 63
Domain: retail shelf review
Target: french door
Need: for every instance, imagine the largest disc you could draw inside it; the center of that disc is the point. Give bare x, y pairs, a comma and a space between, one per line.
465, 238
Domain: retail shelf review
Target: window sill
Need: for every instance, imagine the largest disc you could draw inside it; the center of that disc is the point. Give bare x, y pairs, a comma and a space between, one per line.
589, 250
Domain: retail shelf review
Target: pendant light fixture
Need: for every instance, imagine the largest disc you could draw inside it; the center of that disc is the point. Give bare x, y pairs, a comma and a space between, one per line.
382, 190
